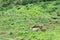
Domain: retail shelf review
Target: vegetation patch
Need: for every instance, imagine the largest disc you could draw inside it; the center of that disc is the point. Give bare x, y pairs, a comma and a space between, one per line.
16, 21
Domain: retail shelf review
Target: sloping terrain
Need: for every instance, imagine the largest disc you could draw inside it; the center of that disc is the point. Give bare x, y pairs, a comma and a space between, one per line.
16, 21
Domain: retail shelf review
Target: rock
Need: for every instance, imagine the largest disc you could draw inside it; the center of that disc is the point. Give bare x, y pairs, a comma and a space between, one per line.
34, 29
43, 29
37, 26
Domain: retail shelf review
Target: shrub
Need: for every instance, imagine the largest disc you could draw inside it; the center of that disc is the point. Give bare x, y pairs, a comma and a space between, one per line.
20, 2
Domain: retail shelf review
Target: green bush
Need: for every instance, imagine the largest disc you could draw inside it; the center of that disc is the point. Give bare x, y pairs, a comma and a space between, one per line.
4, 3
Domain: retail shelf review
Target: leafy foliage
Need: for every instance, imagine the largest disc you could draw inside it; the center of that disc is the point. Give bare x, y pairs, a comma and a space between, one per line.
16, 21
4, 3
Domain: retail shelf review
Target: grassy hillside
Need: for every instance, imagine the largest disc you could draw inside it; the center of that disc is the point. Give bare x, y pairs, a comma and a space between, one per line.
16, 21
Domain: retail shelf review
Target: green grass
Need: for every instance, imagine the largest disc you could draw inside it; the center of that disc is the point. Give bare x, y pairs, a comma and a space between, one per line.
16, 21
